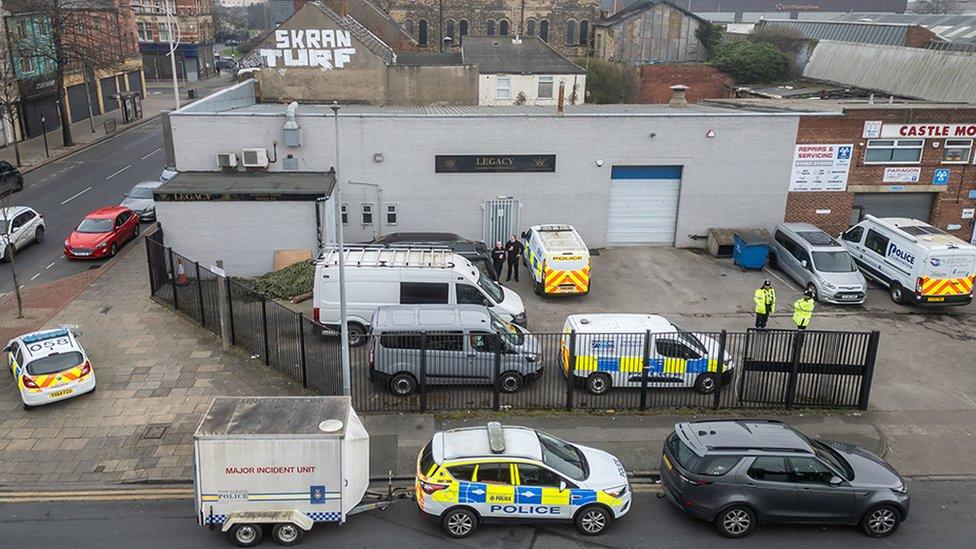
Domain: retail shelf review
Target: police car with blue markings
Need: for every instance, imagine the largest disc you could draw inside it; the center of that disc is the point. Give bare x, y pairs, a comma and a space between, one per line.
48, 366
497, 474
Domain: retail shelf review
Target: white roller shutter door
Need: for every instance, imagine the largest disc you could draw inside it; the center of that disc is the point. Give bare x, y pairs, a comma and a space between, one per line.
643, 205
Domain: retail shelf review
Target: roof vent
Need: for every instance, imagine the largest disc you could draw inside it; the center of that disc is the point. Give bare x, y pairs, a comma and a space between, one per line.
678, 98
496, 437
330, 426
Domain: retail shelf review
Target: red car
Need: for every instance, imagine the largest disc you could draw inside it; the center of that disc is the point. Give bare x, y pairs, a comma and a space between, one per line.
102, 233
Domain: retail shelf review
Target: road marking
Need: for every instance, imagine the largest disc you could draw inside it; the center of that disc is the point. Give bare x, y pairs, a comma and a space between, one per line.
35, 276
152, 153
97, 495
62, 256
52, 264
781, 279
969, 400
76, 196
118, 172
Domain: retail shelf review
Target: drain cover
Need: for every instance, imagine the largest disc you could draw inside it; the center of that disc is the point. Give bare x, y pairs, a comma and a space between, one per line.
154, 432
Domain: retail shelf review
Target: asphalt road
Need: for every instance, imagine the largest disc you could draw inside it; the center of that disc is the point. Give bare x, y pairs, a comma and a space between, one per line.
943, 515
67, 189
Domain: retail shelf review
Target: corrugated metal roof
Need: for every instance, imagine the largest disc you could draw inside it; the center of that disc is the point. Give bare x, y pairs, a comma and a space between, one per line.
844, 31
511, 55
953, 28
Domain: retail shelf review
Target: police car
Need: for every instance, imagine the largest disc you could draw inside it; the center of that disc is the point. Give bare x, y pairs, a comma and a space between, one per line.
49, 366
494, 473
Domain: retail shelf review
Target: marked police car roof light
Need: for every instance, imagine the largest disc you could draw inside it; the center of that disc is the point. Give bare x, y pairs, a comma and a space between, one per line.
496, 437
41, 336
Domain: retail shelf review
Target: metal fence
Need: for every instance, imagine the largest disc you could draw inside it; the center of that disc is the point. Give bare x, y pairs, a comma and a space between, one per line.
419, 372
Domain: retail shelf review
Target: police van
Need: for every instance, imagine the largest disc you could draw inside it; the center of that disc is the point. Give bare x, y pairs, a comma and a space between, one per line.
48, 366
609, 352
494, 473
557, 259
917, 262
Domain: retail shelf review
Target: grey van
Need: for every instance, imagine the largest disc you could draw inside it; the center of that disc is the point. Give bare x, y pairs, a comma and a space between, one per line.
454, 344
818, 263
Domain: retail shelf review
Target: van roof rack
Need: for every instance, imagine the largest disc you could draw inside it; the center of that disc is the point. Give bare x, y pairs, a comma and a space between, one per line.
373, 256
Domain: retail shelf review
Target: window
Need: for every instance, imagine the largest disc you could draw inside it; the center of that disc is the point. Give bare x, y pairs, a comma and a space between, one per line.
544, 30
533, 475
391, 214
503, 88
469, 295
408, 24
145, 31
893, 151
450, 29
445, 341
769, 469
483, 342
786, 242
584, 33
490, 27
545, 87
462, 29
716, 466
395, 340
367, 214
570, 33
344, 213
674, 349
414, 293
462, 472
530, 27
163, 31
427, 458
680, 452
27, 64
495, 473
563, 456
21, 28
956, 151
89, 225
53, 364
810, 471
853, 234
503, 27
876, 242
422, 32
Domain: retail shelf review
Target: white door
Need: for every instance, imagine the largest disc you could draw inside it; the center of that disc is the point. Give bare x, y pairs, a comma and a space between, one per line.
643, 205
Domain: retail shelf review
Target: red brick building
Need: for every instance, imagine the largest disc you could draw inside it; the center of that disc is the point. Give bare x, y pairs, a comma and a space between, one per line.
703, 81
907, 159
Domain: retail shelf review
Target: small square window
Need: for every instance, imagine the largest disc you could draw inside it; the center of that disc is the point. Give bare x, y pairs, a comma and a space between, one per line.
391, 214
367, 214
344, 213
503, 88
956, 151
545, 87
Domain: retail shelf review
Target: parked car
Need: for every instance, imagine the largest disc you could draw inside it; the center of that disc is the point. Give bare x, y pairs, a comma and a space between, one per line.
48, 366
819, 263
140, 200
460, 348
476, 252
226, 63
167, 174
740, 473
101, 233
20, 226
11, 180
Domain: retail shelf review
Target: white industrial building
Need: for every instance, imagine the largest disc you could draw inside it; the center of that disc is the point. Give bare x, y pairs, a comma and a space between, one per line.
621, 174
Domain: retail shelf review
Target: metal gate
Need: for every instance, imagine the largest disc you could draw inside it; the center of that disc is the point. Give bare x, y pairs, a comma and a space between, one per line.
501, 219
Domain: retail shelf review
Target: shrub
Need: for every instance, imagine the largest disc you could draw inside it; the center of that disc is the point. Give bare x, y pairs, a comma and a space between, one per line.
748, 62
295, 279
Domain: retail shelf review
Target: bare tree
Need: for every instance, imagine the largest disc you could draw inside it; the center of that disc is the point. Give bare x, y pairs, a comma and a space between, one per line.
936, 7
6, 219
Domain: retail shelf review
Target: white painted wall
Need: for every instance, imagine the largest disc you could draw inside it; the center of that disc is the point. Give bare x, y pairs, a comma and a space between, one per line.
529, 85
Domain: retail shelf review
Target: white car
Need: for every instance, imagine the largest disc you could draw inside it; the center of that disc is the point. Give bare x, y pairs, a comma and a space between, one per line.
19, 227
48, 366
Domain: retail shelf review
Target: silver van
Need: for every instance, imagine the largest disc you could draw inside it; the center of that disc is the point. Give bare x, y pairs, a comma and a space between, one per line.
818, 263
454, 344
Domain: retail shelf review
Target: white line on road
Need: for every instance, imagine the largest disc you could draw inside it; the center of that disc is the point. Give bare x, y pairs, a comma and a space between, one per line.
51, 265
772, 272
118, 172
86, 189
35, 276
152, 153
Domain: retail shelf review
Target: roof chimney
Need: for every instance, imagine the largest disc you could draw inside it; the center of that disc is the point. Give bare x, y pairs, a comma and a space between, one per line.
678, 98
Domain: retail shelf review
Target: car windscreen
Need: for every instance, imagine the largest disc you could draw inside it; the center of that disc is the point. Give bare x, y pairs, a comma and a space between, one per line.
834, 262
562, 456
491, 288
831, 456
510, 333
53, 364
680, 451
89, 225
140, 192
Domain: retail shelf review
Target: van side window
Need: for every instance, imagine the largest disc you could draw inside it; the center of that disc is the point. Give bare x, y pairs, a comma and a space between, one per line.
801, 255
483, 342
786, 242
395, 340
853, 234
414, 293
445, 341
876, 242
469, 295
672, 349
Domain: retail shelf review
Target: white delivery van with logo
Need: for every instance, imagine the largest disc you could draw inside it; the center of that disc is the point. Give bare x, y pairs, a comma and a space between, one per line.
917, 262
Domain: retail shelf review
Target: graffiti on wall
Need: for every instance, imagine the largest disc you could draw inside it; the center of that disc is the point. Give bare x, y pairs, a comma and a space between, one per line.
324, 48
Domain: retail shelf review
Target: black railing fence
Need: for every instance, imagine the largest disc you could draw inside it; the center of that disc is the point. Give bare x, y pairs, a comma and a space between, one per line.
419, 372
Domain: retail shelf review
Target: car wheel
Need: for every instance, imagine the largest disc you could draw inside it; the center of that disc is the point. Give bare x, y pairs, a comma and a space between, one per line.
135, 233
39, 235
403, 384
773, 263
357, 334
27, 407
706, 383
598, 383
113, 251
897, 293
882, 521
246, 535
813, 289
592, 520
736, 522
287, 534
459, 523
510, 382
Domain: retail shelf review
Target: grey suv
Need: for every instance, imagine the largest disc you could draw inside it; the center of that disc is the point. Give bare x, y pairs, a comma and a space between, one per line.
738, 473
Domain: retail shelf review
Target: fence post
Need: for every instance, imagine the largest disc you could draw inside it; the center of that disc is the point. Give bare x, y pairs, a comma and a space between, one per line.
152, 273
301, 344
223, 303
720, 370
798, 336
868, 371
230, 312
423, 371
203, 317
264, 322
570, 370
496, 395
172, 276
645, 362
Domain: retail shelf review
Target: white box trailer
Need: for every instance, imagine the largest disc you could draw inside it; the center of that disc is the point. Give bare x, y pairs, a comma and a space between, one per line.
286, 462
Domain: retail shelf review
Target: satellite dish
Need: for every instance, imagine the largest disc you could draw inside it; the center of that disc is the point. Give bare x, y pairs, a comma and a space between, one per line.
330, 426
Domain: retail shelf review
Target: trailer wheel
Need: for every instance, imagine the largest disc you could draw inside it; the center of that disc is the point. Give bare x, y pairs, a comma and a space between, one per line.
459, 522
246, 535
286, 533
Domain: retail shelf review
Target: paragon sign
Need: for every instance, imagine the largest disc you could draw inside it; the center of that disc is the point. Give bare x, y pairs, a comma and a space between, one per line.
929, 130
476, 163
325, 48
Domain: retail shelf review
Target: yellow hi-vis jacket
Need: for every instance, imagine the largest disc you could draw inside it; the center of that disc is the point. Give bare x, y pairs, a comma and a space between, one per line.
762, 297
802, 311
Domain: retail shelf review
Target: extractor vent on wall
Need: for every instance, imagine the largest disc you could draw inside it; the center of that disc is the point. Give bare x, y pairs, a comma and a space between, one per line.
255, 158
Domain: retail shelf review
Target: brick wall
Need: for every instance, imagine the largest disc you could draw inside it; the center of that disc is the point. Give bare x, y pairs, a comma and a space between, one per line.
917, 36
705, 82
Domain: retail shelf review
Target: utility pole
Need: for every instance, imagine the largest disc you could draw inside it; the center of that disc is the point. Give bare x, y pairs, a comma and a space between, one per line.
440, 25
343, 320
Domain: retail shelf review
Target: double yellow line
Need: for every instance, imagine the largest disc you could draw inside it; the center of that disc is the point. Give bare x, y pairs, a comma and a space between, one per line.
121, 494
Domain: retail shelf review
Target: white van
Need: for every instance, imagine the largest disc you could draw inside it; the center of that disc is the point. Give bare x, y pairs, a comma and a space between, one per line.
404, 276
558, 260
918, 263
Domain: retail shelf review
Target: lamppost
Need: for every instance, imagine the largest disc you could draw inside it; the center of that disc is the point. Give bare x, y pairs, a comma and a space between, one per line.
47, 153
343, 320
174, 41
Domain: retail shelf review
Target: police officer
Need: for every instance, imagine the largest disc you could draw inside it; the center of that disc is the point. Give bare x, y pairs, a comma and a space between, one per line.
803, 310
765, 299
514, 248
498, 255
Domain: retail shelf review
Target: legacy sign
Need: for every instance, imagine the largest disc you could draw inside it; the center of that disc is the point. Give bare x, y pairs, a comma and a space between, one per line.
822, 167
928, 130
476, 163
325, 48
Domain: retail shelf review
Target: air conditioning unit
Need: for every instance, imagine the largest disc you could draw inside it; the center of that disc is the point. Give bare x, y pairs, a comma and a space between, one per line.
255, 158
227, 160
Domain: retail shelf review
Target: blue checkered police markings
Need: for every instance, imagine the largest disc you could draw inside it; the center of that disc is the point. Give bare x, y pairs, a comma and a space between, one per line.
325, 517
215, 519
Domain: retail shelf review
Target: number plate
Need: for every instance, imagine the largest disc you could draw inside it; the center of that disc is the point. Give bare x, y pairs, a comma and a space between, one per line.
61, 393
82, 254
936, 299
667, 462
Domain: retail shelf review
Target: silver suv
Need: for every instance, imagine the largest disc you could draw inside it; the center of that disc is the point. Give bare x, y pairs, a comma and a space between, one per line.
818, 263
738, 473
